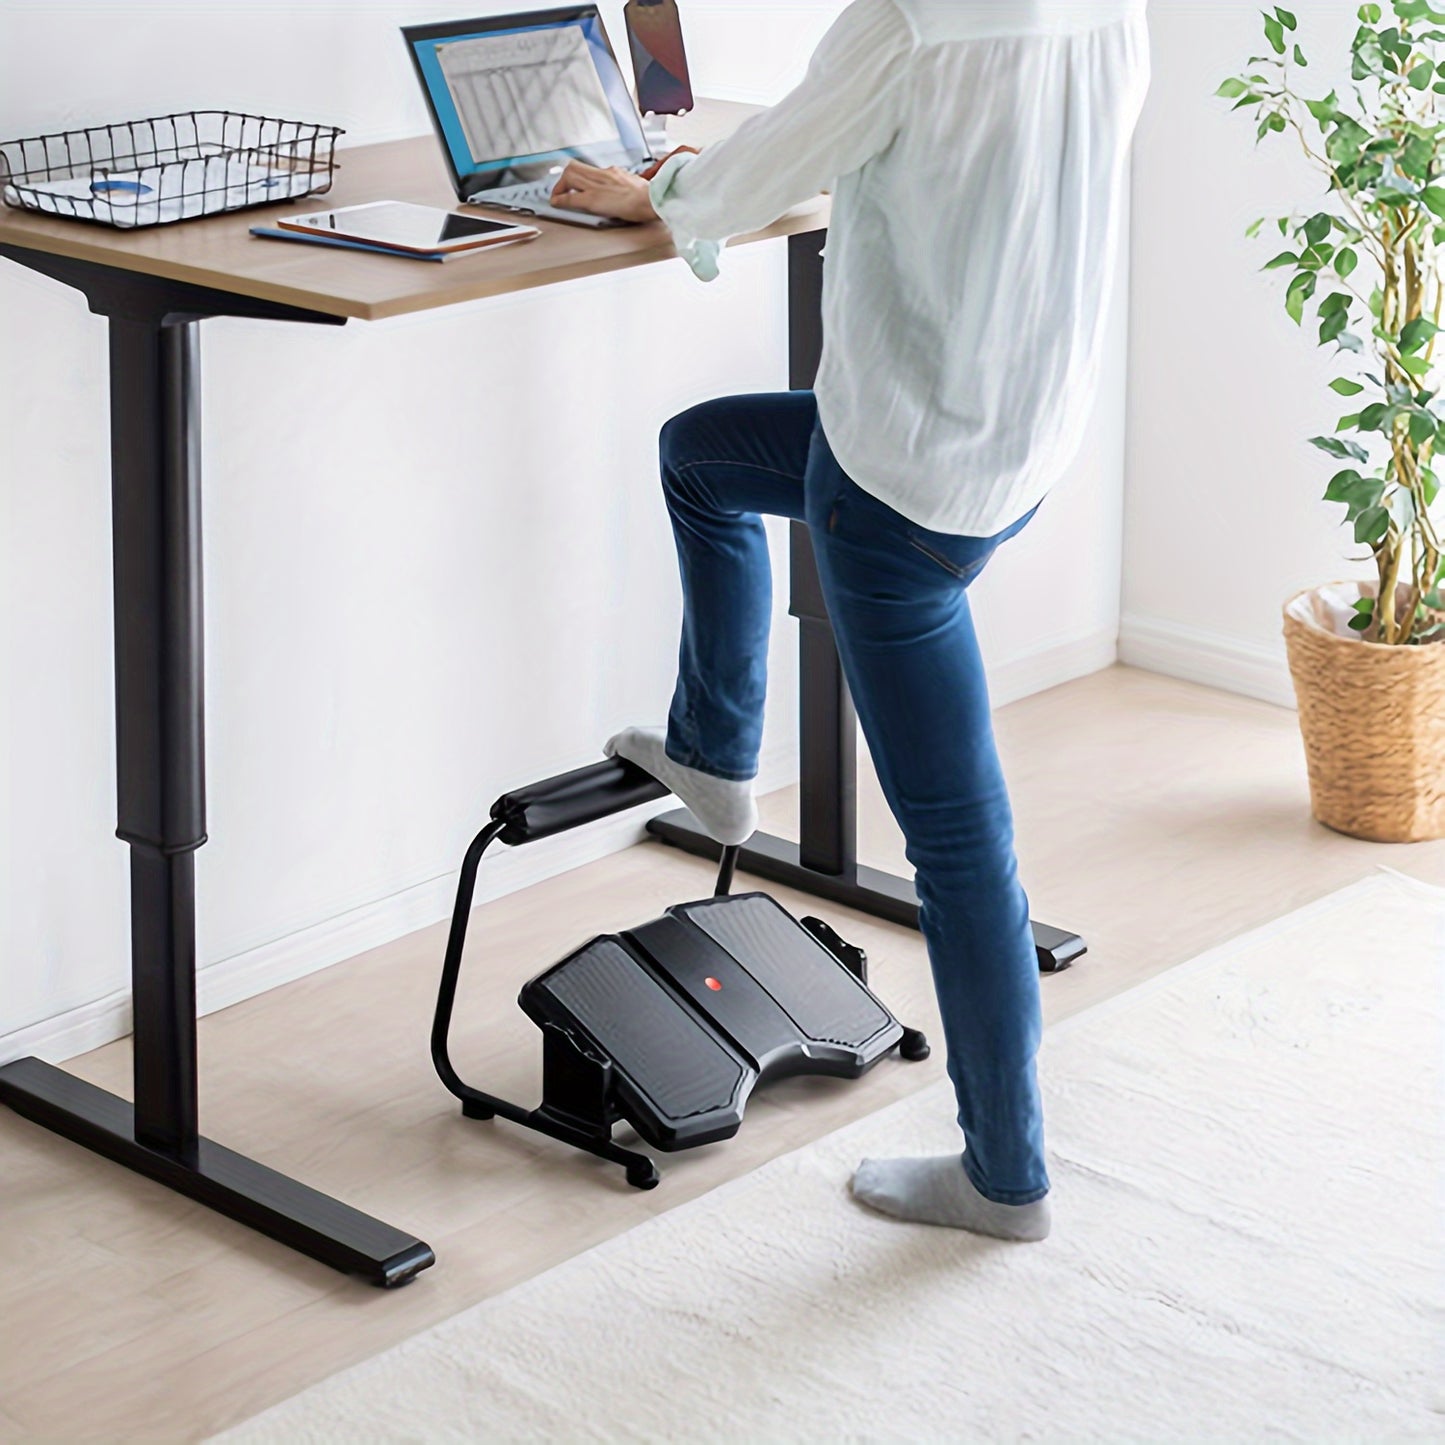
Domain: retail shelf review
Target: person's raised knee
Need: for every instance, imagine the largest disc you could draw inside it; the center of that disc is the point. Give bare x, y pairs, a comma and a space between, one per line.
676, 443
691, 436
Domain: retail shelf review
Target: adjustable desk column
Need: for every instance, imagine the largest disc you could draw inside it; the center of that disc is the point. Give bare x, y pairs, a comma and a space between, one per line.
160, 755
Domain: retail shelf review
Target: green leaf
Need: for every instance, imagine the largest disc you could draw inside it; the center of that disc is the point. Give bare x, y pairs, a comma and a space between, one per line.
1368, 494
1423, 428
1417, 10
1371, 526
1345, 261
1346, 387
1274, 33
1422, 75
1346, 141
1418, 158
1370, 14
1363, 624
1232, 89
1318, 227
1332, 327
1300, 291
1346, 422
1337, 448
1252, 231
1433, 198
1286, 19
1285, 258
1373, 418
1417, 333
1415, 365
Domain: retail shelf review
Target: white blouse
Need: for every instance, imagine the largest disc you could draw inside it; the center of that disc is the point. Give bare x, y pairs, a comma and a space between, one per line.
977, 151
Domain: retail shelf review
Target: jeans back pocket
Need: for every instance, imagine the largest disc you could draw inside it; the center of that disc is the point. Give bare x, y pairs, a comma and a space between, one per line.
965, 572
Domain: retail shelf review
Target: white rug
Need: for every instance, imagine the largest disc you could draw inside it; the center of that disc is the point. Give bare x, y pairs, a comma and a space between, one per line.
1247, 1159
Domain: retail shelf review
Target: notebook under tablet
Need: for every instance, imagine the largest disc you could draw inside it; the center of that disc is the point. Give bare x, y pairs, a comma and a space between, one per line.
514, 98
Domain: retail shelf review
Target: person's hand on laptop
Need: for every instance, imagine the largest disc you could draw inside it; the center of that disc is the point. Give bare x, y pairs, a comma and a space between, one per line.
610, 192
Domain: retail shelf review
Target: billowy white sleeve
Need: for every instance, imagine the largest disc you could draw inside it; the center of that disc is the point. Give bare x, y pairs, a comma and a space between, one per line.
845, 112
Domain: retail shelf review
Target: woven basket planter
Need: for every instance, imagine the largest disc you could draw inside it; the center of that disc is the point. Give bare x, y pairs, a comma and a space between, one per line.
1373, 719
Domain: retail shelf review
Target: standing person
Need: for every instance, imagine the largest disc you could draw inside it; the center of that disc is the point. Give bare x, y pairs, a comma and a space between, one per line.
977, 155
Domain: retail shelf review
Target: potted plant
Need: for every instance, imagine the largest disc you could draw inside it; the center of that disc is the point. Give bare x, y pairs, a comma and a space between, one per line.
1368, 658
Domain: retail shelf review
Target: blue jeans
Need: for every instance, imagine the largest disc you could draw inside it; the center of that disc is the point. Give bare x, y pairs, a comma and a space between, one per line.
897, 598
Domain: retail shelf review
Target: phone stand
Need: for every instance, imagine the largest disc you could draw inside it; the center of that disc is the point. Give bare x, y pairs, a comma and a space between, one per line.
654, 130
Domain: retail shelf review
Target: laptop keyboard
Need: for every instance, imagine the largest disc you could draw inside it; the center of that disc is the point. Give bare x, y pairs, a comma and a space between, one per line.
537, 193
532, 194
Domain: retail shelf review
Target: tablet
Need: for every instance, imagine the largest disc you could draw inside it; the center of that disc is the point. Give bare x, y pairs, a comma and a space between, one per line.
404, 227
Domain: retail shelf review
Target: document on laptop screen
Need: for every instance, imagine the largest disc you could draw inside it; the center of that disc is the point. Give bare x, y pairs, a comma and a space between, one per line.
527, 94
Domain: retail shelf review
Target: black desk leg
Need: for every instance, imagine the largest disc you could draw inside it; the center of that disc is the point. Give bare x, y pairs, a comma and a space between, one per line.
825, 862
155, 478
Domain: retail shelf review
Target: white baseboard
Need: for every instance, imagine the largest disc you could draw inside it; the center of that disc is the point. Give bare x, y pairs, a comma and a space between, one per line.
335, 940
76, 1031
1052, 663
1215, 659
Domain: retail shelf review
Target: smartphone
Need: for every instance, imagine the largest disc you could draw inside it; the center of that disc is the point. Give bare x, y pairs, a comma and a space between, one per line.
659, 60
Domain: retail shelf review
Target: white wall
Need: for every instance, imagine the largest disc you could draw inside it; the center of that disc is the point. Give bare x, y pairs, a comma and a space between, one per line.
437, 563
1223, 518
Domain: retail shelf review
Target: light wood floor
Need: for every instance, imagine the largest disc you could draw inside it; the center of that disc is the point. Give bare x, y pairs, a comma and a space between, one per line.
1155, 817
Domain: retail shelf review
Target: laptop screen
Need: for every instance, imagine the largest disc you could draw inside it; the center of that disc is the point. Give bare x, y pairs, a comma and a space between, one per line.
517, 95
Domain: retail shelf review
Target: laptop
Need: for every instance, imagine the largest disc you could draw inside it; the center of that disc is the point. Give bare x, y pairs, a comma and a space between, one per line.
514, 98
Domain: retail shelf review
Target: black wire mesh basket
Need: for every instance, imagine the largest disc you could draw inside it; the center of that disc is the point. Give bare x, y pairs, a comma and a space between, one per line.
168, 168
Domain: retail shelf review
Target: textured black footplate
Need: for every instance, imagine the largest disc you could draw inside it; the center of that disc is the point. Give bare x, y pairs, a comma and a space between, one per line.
696, 1008
678, 1084
826, 1003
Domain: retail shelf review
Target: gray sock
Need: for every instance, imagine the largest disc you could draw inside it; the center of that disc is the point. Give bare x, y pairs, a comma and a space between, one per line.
938, 1191
725, 809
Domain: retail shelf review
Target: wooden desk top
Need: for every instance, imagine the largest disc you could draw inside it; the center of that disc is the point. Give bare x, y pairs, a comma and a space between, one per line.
221, 254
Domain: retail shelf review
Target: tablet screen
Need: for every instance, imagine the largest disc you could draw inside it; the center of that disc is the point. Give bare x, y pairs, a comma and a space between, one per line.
394, 223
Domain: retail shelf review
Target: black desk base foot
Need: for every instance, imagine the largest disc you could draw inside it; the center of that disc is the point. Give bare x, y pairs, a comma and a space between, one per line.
868, 890
227, 1182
